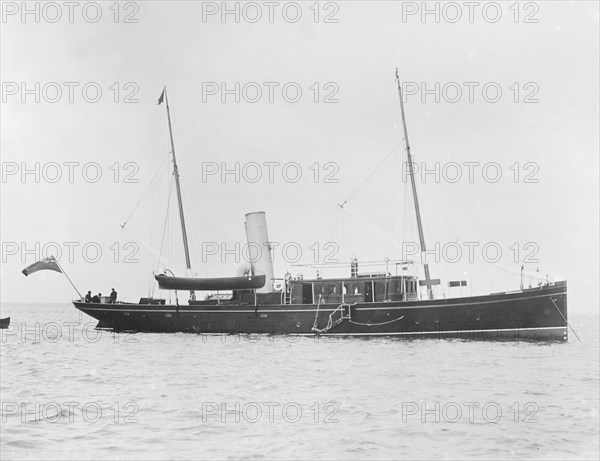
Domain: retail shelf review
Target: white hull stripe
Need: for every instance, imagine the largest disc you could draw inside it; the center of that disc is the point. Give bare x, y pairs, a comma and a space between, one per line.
433, 332
132, 308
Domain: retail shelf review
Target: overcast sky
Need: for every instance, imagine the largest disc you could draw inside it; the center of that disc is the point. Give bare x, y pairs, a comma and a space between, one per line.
542, 56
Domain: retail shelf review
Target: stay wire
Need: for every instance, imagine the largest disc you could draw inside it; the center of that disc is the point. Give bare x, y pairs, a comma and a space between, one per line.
146, 191
368, 178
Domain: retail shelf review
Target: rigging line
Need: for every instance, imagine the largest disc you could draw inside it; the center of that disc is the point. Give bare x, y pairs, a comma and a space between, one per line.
450, 155
194, 232
449, 226
190, 219
441, 210
146, 191
507, 223
149, 248
332, 237
404, 212
169, 250
409, 216
343, 232
208, 202
444, 139
384, 164
63, 311
362, 264
188, 189
368, 178
425, 220
506, 269
334, 228
394, 206
156, 215
193, 249
438, 136
467, 211
496, 265
165, 225
374, 228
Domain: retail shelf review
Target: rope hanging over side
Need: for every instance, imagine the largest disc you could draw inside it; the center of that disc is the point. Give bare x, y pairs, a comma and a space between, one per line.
343, 316
566, 321
376, 324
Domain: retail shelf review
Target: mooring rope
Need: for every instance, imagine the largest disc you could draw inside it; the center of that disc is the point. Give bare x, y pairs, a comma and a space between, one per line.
315, 323
330, 322
376, 324
566, 321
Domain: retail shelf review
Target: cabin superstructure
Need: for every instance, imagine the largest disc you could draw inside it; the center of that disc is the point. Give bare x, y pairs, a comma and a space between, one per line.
353, 290
356, 289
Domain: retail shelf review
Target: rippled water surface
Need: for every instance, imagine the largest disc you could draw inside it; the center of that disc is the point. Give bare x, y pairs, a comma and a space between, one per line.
70, 392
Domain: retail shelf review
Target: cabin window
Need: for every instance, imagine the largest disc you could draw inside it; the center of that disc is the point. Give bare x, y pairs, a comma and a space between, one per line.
352, 288
369, 292
411, 289
397, 286
330, 292
326, 289
296, 293
307, 293
380, 289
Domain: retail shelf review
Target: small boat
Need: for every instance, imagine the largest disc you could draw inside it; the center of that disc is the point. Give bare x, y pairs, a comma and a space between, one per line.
4, 323
167, 282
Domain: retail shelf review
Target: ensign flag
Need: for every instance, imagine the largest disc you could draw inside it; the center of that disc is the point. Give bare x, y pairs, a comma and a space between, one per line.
45, 264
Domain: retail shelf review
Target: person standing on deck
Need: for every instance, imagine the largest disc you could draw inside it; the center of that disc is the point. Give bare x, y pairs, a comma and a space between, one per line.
113, 297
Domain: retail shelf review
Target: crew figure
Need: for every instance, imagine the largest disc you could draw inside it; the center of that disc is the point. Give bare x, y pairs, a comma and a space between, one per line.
96, 298
113, 297
88, 297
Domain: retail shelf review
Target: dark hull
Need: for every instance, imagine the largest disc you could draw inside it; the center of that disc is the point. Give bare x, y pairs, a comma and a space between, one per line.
532, 314
4, 323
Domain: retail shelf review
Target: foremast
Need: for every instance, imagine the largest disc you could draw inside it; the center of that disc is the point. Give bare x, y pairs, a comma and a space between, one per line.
414, 191
177, 186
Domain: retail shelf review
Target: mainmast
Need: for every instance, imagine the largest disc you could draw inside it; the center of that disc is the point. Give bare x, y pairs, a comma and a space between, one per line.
414, 190
177, 185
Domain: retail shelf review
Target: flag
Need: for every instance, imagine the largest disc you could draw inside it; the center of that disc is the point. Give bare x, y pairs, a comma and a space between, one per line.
162, 96
45, 264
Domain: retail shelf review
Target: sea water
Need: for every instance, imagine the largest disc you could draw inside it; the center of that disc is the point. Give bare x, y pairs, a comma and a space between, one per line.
69, 391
